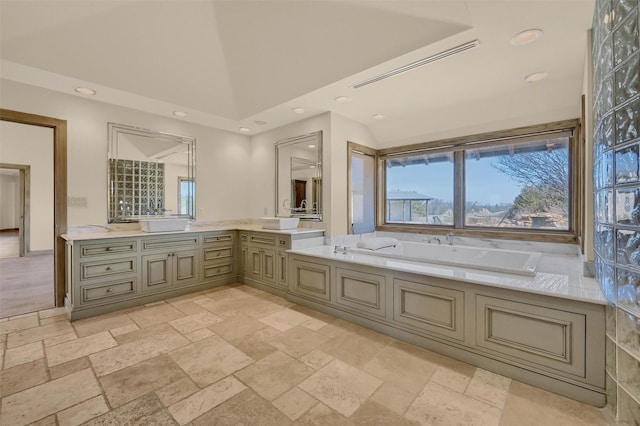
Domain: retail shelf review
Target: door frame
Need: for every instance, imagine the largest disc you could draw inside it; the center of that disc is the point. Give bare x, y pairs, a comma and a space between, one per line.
24, 221
59, 189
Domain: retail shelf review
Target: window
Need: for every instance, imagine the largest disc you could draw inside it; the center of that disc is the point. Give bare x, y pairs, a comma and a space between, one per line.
186, 190
420, 189
520, 180
362, 188
522, 185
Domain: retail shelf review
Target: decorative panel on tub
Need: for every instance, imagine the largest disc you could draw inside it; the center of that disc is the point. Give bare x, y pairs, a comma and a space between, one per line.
616, 139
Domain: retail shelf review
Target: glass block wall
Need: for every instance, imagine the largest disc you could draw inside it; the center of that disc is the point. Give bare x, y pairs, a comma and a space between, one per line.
616, 110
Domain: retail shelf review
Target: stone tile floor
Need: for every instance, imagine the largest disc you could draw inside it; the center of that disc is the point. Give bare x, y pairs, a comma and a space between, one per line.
238, 356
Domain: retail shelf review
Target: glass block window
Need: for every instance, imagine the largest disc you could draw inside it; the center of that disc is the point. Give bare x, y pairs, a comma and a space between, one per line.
137, 188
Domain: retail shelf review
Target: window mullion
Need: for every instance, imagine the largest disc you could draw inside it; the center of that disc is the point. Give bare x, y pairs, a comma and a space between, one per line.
458, 193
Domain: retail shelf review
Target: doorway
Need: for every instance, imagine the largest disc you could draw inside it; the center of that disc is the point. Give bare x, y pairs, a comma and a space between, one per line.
13, 270
15, 180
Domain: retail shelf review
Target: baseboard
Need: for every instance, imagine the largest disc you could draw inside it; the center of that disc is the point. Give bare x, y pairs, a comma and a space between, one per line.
39, 252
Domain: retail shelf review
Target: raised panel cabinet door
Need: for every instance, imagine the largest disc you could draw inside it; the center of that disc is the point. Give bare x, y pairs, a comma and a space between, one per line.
244, 260
186, 267
255, 263
282, 268
157, 271
428, 308
269, 266
537, 335
362, 291
310, 279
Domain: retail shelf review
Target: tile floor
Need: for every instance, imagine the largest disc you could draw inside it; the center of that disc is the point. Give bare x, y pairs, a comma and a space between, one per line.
239, 356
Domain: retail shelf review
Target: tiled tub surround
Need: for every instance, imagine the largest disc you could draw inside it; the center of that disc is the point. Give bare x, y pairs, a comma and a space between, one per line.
237, 355
616, 118
476, 316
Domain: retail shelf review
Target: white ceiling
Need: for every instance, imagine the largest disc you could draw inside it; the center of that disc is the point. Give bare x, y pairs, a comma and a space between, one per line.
232, 63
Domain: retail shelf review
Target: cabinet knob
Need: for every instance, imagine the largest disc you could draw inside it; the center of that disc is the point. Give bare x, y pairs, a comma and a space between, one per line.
109, 248
109, 290
169, 255
108, 268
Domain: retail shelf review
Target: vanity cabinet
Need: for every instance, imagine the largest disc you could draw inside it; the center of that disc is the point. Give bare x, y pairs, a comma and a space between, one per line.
263, 258
107, 274
171, 269
218, 255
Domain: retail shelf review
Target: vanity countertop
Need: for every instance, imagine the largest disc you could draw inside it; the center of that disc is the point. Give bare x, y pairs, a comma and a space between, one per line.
558, 275
83, 236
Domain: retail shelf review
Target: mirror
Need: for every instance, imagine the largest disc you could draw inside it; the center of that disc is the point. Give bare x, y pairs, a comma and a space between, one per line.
299, 177
150, 174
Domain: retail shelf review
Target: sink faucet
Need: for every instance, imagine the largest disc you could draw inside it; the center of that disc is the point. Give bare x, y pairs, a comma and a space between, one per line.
450, 238
303, 205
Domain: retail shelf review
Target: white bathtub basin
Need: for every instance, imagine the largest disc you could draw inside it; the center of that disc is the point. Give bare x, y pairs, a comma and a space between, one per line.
279, 222
488, 259
163, 224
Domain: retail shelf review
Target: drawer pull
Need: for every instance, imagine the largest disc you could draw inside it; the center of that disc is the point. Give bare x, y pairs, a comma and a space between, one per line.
108, 268
109, 290
109, 248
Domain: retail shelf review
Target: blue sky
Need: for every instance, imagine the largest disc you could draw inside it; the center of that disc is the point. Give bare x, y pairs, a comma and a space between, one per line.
485, 184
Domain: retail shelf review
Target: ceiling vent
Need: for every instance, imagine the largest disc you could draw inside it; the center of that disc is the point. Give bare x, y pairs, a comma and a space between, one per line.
421, 62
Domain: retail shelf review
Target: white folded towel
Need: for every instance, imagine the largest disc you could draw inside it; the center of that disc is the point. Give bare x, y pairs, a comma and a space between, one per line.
377, 243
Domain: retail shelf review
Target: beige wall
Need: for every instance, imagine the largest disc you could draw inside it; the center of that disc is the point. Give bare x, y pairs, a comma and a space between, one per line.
222, 158
33, 146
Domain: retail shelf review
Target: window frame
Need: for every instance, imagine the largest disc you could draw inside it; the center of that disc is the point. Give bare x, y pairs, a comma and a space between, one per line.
458, 146
364, 150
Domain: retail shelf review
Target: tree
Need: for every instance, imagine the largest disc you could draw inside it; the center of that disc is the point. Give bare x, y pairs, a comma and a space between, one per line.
544, 175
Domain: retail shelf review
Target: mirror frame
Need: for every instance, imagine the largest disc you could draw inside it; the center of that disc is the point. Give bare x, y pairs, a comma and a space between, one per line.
316, 137
114, 130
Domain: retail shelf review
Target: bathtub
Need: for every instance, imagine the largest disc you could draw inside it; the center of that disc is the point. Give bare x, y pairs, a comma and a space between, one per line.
488, 259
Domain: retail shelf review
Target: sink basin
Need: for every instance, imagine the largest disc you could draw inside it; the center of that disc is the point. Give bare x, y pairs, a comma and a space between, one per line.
279, 222
163, 224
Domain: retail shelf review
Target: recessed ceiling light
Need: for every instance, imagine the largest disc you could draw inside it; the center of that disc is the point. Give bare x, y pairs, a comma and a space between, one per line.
536, 76
85, 91
244, 129
298, 110
179, 113
378, 116
526, 37
260, 122
342, 99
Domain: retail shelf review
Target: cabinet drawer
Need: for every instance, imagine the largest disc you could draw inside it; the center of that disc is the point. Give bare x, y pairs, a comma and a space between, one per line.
361, 291
217, 253
170, 243
268, 240
107, 267
217, 238
533, 334
427, 308
211, 271
108, 290
106, 248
